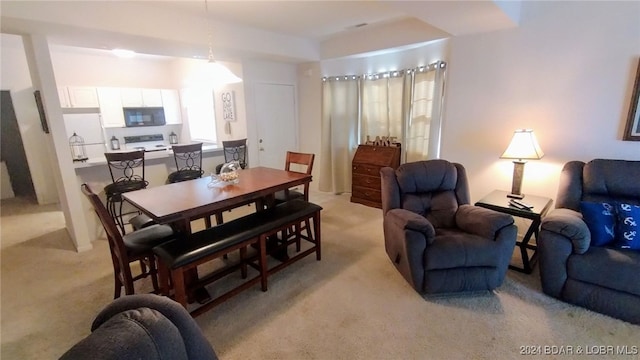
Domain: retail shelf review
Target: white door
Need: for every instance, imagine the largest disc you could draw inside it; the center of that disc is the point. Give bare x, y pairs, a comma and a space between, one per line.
276, 120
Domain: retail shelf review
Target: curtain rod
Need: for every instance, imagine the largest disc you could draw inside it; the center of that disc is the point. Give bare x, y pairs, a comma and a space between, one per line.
395, 73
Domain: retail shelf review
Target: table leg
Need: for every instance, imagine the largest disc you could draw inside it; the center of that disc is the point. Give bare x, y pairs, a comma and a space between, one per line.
528, 262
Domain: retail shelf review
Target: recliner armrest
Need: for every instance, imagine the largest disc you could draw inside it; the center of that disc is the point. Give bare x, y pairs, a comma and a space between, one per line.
569, 223
481, 221
409, 220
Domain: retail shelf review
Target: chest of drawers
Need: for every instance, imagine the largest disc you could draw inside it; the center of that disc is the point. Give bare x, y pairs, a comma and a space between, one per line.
365, 167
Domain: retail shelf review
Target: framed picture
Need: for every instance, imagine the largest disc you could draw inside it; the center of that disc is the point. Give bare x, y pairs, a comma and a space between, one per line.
228, 106
632, 129
43, 117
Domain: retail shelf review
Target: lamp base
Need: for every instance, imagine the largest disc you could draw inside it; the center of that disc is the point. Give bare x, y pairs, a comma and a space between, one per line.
515, 196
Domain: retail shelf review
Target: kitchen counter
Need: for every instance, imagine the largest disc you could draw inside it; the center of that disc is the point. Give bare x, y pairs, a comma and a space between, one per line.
206, 149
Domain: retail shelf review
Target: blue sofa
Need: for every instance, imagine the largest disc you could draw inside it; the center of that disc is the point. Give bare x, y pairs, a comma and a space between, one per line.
601, 278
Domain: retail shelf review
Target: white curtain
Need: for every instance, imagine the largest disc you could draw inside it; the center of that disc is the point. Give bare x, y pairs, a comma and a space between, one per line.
424, 124
382, 108
340, 114
403, 104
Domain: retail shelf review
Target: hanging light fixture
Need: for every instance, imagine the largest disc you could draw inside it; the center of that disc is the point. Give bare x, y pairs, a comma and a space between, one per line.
217, 72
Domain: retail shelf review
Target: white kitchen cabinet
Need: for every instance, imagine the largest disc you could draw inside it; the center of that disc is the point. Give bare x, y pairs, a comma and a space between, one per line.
171, 104
78, 97
132, 97
111, 107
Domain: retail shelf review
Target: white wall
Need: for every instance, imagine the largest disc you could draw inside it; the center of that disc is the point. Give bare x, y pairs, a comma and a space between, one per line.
566, 72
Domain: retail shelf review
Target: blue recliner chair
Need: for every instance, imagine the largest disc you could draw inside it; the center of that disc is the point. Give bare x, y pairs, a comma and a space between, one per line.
435, 238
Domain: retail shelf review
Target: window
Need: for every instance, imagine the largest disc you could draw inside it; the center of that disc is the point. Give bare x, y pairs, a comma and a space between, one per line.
199, 105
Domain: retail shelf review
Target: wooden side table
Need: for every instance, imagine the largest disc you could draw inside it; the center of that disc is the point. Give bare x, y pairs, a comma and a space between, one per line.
498, 201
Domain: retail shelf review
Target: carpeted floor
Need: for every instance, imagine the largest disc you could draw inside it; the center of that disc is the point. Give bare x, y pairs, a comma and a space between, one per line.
351, 305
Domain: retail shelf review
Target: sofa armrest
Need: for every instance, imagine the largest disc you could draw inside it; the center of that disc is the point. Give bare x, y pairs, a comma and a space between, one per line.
408, 220
569, 223
481, 221
143, 326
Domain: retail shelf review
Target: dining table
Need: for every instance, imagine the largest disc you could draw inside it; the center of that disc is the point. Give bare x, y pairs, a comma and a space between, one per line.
178, 204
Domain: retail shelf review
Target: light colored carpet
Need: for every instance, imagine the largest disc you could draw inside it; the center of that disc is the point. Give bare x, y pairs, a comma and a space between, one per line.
351, 305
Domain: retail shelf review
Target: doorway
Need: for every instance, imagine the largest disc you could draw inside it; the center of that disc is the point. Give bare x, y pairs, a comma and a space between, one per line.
276, 125
12, 150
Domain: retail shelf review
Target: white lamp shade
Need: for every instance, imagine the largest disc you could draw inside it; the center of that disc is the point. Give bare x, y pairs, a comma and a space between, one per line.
220, 75
523, 146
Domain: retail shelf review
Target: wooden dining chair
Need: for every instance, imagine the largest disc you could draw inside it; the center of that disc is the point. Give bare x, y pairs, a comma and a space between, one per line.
127, 174
299, 162
296, 161
132, 247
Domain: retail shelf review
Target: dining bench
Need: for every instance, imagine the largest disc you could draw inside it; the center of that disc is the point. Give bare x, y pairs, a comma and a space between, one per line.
184, 254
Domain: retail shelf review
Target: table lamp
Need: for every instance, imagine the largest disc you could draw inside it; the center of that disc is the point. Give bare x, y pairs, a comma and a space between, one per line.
523, 146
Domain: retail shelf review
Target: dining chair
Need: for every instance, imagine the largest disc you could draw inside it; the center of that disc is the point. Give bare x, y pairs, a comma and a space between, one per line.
188, 159
127, 174
293, 162
296, 161
234, 150
132, 247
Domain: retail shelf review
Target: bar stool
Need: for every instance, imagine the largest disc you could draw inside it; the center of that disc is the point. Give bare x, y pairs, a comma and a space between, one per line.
234, 150
188, 158
127, 174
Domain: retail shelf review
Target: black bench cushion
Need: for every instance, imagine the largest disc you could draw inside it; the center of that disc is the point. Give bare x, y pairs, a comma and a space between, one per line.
183, 251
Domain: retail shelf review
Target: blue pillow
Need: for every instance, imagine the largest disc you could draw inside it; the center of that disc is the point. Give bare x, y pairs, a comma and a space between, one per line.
601, 221
628, 231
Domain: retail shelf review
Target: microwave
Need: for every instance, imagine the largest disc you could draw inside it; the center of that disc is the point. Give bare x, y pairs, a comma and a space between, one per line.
143, 116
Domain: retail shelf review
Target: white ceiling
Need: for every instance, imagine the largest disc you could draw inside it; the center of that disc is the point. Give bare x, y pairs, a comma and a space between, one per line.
285, 30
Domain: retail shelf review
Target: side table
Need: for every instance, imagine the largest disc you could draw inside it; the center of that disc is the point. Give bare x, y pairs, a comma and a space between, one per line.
498, 201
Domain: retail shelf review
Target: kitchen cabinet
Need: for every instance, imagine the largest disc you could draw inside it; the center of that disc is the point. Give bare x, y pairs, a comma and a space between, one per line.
171, 104
78, 97
111, 107
132, 97
366, 165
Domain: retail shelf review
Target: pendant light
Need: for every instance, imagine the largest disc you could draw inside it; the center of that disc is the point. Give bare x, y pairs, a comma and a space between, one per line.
217, 72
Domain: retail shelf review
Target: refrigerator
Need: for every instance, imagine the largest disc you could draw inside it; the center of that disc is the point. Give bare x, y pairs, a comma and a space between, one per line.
89, 127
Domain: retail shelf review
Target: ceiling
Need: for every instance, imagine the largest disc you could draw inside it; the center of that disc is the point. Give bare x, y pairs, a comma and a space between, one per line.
285, 30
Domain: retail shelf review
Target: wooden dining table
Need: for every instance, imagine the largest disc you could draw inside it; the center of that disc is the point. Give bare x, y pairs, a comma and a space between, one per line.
178, 204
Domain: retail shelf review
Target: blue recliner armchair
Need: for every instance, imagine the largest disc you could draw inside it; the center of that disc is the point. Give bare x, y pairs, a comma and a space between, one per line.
435, 238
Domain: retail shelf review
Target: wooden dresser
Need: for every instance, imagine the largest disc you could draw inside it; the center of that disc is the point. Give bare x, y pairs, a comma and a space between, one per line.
366, 165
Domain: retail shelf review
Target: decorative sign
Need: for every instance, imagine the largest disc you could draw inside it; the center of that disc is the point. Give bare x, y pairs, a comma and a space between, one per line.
228, 106
382, 141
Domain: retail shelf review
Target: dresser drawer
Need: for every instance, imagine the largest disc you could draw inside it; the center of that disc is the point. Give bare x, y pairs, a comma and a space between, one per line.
366, 181
372, 195
371, 170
